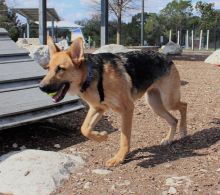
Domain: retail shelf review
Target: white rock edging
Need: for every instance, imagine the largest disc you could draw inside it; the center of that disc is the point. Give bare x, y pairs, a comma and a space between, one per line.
112, 48
172, 48
214, 58
34, 172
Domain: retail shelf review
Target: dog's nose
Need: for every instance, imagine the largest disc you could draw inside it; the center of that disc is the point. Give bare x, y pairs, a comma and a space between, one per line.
43, 87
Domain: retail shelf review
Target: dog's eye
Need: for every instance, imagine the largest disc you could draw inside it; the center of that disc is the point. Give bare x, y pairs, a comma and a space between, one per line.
59, 68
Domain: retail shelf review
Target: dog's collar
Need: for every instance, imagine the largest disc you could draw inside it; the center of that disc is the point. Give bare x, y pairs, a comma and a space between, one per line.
89, 78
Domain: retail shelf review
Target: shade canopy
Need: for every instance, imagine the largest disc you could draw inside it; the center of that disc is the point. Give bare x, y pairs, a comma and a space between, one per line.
62, 25
33, 13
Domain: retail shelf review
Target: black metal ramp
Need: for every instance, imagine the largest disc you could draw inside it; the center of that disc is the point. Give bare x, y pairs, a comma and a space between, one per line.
21, 101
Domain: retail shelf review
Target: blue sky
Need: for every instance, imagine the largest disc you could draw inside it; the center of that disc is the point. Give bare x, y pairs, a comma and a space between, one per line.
73, 10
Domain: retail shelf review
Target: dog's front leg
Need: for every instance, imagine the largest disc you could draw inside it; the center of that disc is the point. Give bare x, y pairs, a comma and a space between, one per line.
126, 116
93, 116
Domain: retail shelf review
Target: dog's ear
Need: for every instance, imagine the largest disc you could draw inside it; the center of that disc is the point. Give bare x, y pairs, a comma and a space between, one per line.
52, 46
76, 51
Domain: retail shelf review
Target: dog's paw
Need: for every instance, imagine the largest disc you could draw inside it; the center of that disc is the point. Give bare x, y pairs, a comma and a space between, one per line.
113, 162
101, 136
165, 142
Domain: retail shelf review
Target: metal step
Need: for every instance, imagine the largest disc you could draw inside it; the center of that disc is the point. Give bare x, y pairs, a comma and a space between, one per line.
19, 85
26, 100
21, 101
30, 117
14, 71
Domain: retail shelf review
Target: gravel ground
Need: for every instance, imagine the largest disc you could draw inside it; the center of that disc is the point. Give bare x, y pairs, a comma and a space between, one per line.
188, 166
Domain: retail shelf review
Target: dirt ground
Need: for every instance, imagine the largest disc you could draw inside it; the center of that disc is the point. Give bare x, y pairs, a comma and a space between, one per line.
188, 166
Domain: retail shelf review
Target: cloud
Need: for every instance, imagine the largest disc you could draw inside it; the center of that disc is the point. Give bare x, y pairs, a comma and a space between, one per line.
89, 2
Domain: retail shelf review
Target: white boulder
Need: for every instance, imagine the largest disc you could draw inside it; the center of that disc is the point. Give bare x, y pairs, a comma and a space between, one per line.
112, 48
21, 42
34, 172
214, 58
171, 48
40, 54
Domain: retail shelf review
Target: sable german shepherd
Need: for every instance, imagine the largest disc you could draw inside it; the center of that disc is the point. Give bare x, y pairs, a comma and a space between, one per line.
114, 81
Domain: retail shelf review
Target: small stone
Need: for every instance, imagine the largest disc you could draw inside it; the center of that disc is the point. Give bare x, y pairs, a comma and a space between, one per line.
124, 183
203, 170
172, 190
23, 147
218, 170
87, 185
14, 145
167, 165
170, 182
164, 193
57, 146
113, 187
101, 171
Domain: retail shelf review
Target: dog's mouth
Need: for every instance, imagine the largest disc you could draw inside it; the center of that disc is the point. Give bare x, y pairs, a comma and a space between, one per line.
60, 94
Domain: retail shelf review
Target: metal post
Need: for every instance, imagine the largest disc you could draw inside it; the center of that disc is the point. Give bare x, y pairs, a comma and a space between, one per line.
52, 28
170, 36
187, 39
207, 41
28, 28
104, 22
200, 40
192, 40
43, 22
142, 24
215, 33
178, 37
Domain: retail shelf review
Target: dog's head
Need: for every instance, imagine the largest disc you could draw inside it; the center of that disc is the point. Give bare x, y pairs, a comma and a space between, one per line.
64, 70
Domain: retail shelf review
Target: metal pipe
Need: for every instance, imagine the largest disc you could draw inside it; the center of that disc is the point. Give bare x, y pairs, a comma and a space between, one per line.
104, 22
142, 24
43, 22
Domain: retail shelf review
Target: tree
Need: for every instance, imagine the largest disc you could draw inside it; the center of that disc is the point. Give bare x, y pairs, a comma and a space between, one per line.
154, 28
176, 14
207, 14
117, 8
8, 20
91, 28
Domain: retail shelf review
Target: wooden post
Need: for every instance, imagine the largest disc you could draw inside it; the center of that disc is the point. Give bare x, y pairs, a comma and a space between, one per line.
207, 40
43, 22
200, 40
192, 40
104, 22
170, 36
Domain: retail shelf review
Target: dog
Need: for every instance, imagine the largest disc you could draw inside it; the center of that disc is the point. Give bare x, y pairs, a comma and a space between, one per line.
114, 81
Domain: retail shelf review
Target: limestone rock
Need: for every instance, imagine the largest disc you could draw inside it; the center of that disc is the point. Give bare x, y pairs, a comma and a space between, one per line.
40, 54
214, 58
112, 48
34, 172
172, 48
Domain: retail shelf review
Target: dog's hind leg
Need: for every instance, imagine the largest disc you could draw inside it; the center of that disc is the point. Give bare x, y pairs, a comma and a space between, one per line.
155, 102
93, 116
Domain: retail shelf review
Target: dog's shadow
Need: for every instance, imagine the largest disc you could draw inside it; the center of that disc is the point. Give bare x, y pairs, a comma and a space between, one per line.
54, 134
183, 148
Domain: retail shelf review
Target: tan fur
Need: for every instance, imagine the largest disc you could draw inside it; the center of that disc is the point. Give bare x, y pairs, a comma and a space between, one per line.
163, 95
